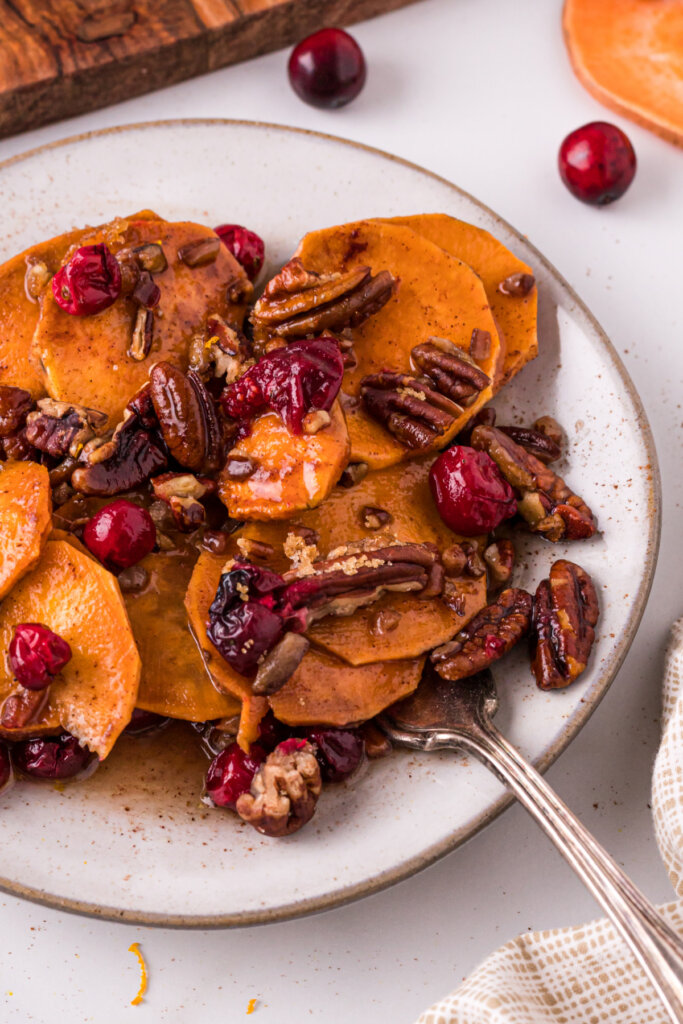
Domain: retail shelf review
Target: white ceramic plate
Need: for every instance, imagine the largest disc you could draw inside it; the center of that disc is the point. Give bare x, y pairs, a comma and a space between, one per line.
134, 842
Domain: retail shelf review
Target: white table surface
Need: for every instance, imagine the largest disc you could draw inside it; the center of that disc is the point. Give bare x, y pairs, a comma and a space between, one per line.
481, 92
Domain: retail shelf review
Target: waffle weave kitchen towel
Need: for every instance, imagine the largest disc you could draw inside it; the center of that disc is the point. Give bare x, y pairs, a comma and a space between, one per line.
586, 975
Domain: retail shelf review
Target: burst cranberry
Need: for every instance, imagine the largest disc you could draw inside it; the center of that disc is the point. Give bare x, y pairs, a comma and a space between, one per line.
293, 380
339, 752
120, 534
244, 622
471, 495
230, 774
51, 757
597, 163
246, 246
144, 721
36, 654
271, 731
5, 768
327, 69
89, 282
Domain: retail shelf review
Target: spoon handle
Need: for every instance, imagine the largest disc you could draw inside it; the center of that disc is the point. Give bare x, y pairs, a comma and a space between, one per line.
655, 945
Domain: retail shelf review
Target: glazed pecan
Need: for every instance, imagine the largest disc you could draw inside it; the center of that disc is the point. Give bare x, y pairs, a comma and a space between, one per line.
413, 412
142, 337
23, 708
449, 370
540, 445
222, 351
500, 561
488, 636
187, 417
60, 428
562, 631
298, 303
200, 251
15, 405
544, 500
284, 791
131, 456
182, 493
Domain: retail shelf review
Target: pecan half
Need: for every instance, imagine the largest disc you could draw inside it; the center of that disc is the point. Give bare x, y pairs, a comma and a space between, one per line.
544, 500
449, 370
488, 636
297, 302
187, 417
60, 428
413, 412
15, 405
182, 493
562, 631
284, 791
131, 456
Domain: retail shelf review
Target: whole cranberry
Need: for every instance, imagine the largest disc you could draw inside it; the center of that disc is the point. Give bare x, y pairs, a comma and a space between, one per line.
6, 774
246, 246
339, 752
144, 721
51, 757
89, 282
471, 495
271, 731
327, 69
36, 654
230, 774
120, 534
597, 163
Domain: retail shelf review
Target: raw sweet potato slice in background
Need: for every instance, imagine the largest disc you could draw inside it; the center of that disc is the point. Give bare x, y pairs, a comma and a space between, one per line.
629, 55
294, 471
25, 511
326, 691
174, 681
94, 695
86, 358
493, 262
438, 295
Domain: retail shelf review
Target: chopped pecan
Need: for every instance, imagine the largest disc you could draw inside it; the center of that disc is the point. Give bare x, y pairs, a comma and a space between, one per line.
15, 405
500, 560
562, 630
297, 302
353, 474
279, 664
376, 743
133, 580
550, 428
474, 566
315, 421
37, 278
454, 560
410, 410
517, 285
374, 518
151, 257
215, 541
200, 251
17, 447
224, 353
284, 791
384, 621
488, 636
480, 344
60, 428
141, 404
239, 467
187, 417
143, 329
544, 500
131, 456
449, 370
182, 492
536, 443
23, 708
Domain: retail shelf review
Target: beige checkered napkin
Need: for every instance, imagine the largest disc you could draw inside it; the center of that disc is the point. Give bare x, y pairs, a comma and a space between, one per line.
586, 975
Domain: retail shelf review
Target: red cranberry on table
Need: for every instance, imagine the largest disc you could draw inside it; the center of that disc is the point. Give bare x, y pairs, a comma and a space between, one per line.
470, 494
120, 534
89, 282
51, 757
230, 774
339, 752
36, 655
246, 246
327, 69
597, 163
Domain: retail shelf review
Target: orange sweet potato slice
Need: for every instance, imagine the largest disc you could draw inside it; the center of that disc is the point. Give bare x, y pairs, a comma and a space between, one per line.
25, 511
629, 55
492, 262
326, 691
294, 471
174, 682
438, 295
94, 695
85, 358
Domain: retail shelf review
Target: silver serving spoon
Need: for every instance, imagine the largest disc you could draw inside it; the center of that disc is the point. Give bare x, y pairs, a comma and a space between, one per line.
444, 715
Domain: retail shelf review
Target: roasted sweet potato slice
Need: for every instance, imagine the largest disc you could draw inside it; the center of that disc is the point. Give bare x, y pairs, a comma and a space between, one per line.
628, 54
493, 263
326, 691
95, 693
25, 510
293, 471
438, 295
86, 358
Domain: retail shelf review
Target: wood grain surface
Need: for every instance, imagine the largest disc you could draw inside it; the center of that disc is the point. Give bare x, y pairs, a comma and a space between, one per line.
59, 58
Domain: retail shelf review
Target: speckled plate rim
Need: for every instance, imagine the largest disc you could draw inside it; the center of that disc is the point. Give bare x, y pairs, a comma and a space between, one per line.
575, 723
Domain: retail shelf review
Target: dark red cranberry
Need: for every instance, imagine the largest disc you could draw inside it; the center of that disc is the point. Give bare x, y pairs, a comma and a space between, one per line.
339, 752
6, 774
327, 69
597, 163
89, 282
144, 721
36, 655
120, 534
244, 622
230, 774
292, 380
271, 731
51, 757
471, 495
246, 246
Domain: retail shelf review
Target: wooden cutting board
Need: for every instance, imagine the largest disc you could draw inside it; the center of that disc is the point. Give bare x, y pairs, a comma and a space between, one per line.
59, 58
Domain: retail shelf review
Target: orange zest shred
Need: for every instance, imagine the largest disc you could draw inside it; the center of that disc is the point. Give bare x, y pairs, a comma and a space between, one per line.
253, 710
135, 948
251, 1006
